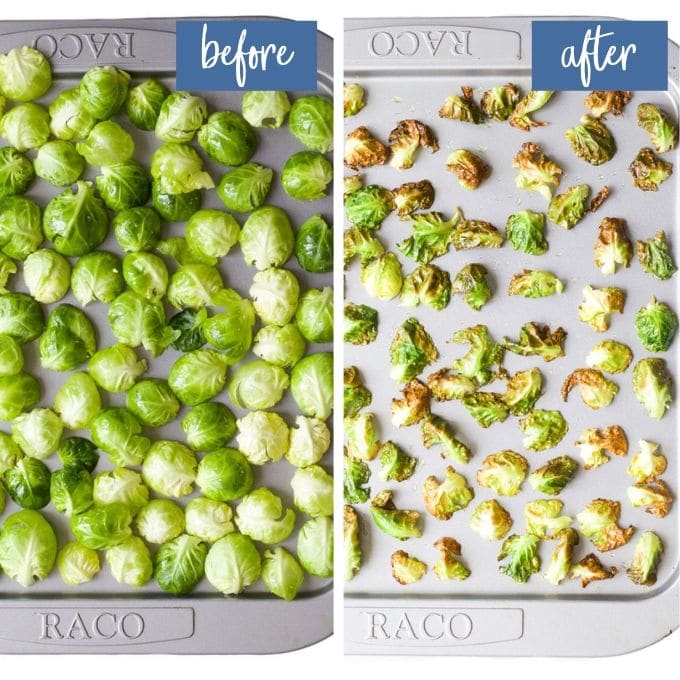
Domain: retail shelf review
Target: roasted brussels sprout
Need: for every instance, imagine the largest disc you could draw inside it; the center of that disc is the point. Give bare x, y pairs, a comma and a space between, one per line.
552, 477
535, 284
504, 472
538, 340
401, 524
471, 282
523, 559
522, 391
413, 196
355, 475
490, 520
598, 521
568, 209
532, 101
613, 246
498, 103
596, 391
469, 168
462, 107
655, 497
649, 171
652, 386
610, 356
592, 141
656, 258
395, 464
475, 234
406, 569
537, 172
361, 435
413, 407
363, 150
593, 445
411, 351
646, 558
663, 132
447, 386
443, 499
405, 139
561, 558
431, 286
525, 232
656, 325
361, 324
352, 99
599, 304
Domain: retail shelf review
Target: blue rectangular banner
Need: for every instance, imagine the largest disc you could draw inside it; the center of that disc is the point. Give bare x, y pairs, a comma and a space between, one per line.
246, 55
599, 55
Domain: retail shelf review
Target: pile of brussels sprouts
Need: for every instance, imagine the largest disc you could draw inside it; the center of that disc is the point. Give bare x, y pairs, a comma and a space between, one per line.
92, 453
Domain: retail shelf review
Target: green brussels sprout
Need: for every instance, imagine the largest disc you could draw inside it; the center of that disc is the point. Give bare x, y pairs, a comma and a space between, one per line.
174, 207
362, 439
382, 276
108, 144
523, 391
432, 234
188, 323
246, 187
648, 463
102, 527
360, 242
401, 524
352, 99
196, 279
265, 108
355, 394
47, 275
406, 138
17, 394
596, 391
361, 324
314, 315
314, 245
198, 376
10, 453
538, 340
447, 567
656, 258
25, 74
543, 429
103, 90
504, 472
116, 368
231, 330
306, 176
309, 441
525, 232
652, 386
11, 356
77, 401
491, 520
281, 346
369, 206
130, 562
311, 385
395, 464
315, 547
486, 408
26, 126
593, 444
462, 108
37, 432
656, 325
537, 172
118, 433
16, 172
180, 564
208, 520
498, 103
211, 233
228, 138
20, 228
137, 229
28, 483
160, 520
178, 169
267, 239
610, 356
406, 569
543, 518
169, 468
532, 101
523, 559
483, 355
412, 196
76, 222
120, 486
311, 122
97, 276
649, 171
411, 351
69, 339
598, 521
233, 563
355, 475
59, 163
258, 385
28, 547
592, 141
471, 282
351, 542
443, 499
71, 491
261, 516
552, 477
77, 564
435, 430
275, 293
78, 453
180, 116
612, 246
429, 285
262, 437
663, 132
7, 268
313, 491
469, 168
282, 575
568, 209
69, 119
153, 402
646, 557
124, 185
208, 426
655, 497
146, 274
224, 475
143, 103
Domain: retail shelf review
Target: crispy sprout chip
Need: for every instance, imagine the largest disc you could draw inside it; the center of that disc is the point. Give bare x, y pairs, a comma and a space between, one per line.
656, 258
462, 108
352, 99
351, 543
538, 340
405, 140
427, 284
443, 499
590, 569
599, 304
610, 356
530, 103
483, 355
543, 518
562, 556
602, 102
469, 168
532, 283
596, 391
598, 521
655, 497
431, 236
648, 551
411, 351
407, 569
491, 520
523, 391
593, 445
568, 209
413, 406
355, 394
649, 171
401, 524
448, 386
552, 477
448, 567
413, 196
504, 472
486, 408
435, 430
521, 550
592, 141
656, 325
498, 103
653, 386
395, 464
663, 132
648, 463
471, 282
613, 246
537, 172
363, 150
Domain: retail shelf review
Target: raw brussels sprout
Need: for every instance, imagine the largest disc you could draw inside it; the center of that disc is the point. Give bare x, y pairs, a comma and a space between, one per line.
281, 573
362, 439
103, 90
7, 268
262, 437
137, 229
351, 542
169, 468
208, 426
233, 563
37, 432
523, 559
411, 351
613, 246
360, 242
552, 477
355, 394
504, 472
314, 315
160, 520
544, 519
228, 138
306, 176
311, 122
655, 497
353, 99
443, 499
594, 443
76, 222
11, 356
382, 276
447, 567
401, 524
211, 233
153, 402
281, 346
71, 491
224, 475
483, 355
97, 276
369, 206
267, 239
395, 464
146, 274
435, 430
265, 108
20, 227
47, 275
469, 168
471, 282
120, 486
592, 141
663, 132
78, 453
194, 285
596, 391
69, 339
314, 246
124, 185
208, 520
537, 172
246, 187
180, 564
656, 325
656, 258
412, 196
406, 569
486, 408
118, 433
313, 491
491, 520
180, 116
648, 463
311, 385
26, 126
568, 209
361, 324
275, 294
25, 74
261, 516
525, 232
59, 163
309, 441
315, 546
188, 323
16, 172
598, 521
643, 567
652, 386
175, 207
532, 101
462, 108
69, 119
28, 483
258, 385
28, 547
599, 304
431, 286
130, 562
178, 169
17, 394
499, 102
77, 564
108, 144
601, 102
543, 429
405, 139
198, 376
231, 330
610, 356
143, 103
649, 171
116, 368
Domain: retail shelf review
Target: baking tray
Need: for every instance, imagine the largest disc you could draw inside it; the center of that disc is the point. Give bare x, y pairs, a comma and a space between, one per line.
103, 616
408, 67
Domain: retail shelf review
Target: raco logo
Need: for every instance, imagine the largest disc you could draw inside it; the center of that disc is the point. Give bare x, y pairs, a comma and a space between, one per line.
69, 46
427, 43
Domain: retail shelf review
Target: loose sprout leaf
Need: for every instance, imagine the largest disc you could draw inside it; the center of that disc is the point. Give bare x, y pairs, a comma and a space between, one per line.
543, 518
498, 103
522, 554
395, 464
590, 569
355, 475
598, 521
361, 324
648, 463
504, 472
352, 99
592, 141
382, 276
462, 108
655, 497
413, 196
594, 444
568, 209
413, 406
406, 138
646, 558
362, 243
443, 499
601, 102
649, 171
486, 408
475, 234
490, 520
613, 246
538, 340
656, 325
470, 170
610, 356
448, 567
407, 569
471, 282
355, 394
552, 477
596, 391
522, 391
351, 542
426, 284
599, 304
401, 524
561, 557
525, 232
362, 150
483, 355
361, 435
535, 284
411, 351
655, 257
537, 172
653, 386
447, 386
663, 132
430, 237
532, 101
436, 431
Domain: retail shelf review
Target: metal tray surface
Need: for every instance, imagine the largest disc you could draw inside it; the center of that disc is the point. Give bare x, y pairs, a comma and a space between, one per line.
103, 616
489, 614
